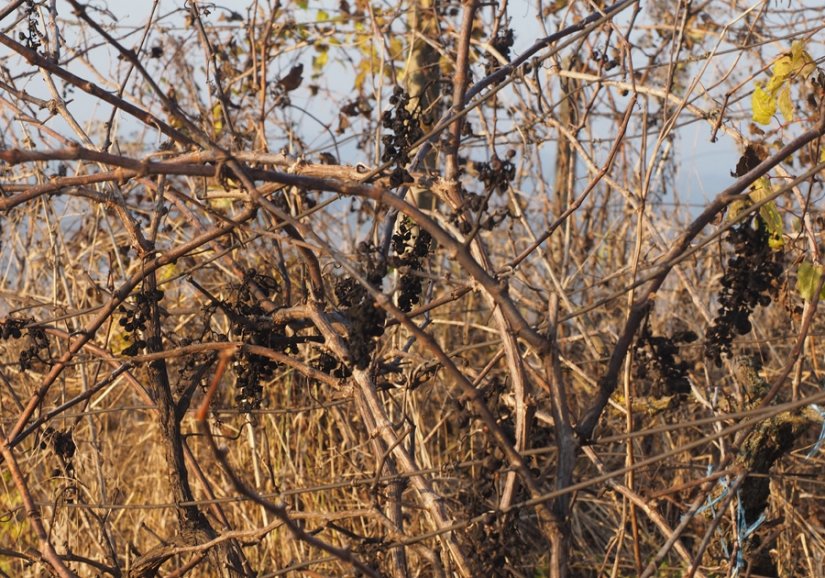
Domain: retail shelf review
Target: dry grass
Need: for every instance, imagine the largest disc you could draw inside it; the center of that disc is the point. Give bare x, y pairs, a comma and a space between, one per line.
346, 437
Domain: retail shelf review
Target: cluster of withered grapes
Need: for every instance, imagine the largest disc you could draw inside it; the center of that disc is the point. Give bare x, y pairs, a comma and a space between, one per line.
502, 43
472, 203
404, 131
63, 445
366, 321
496, 176
498, 173
749, 280
658, 359
33, 37
134, 319
12, 328
38, 348
409, 261
331, 366
251, 324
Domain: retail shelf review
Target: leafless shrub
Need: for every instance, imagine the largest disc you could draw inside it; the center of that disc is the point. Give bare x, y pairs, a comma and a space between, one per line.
398, 289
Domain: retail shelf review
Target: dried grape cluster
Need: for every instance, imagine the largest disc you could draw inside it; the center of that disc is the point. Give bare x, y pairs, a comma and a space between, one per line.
497, 174
330, 365
658, 359
462, 217
365, 319
501, 43
409, 261
12, 328
251, 323
608, 62
134, 319
62, 443
497, 535
38, 347
750, 280
33, 37
404, 131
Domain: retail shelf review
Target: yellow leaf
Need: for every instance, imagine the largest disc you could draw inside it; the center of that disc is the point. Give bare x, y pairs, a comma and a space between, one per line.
167, 272
735, 209
782, 69
769, 213
785, 104
222, 203
396, 48
775, 242
446, 65
764, 105
797, 48
803, 64
363, 69
761, 189
319, 61
217, 117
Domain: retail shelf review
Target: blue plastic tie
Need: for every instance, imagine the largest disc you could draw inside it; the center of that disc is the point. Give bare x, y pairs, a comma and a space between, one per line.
723, 481
821, 438
743, 531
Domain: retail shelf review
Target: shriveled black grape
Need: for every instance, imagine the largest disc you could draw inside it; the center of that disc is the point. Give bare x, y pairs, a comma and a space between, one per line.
750, 280
405, 130
365, 318
658, 359
409, 261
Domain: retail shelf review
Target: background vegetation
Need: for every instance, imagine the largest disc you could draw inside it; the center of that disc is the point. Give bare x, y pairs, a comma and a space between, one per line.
411, 289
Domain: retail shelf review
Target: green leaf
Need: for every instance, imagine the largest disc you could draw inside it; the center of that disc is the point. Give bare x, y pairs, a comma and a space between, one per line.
807, 280
764, 105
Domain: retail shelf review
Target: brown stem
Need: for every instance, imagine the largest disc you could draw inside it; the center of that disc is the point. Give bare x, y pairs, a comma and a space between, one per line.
462, 65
